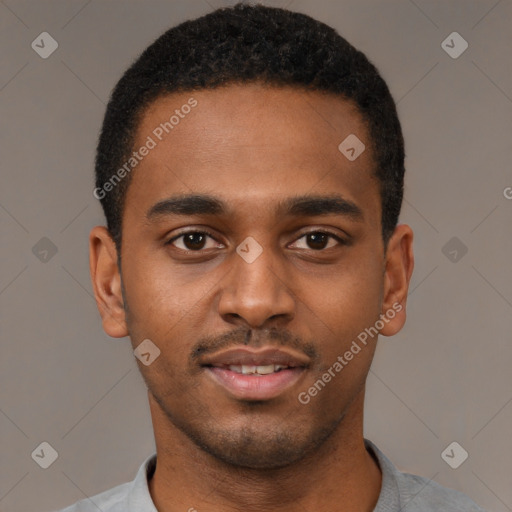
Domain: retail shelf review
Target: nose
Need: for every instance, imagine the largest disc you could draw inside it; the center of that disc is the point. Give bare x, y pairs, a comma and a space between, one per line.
257, 294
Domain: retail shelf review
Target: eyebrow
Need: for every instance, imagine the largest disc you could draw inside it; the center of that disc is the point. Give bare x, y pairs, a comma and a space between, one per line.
305, 205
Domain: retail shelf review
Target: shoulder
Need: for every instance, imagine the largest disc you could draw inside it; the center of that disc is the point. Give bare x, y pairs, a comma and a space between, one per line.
421, 494
413, 493
112, 500
127, 497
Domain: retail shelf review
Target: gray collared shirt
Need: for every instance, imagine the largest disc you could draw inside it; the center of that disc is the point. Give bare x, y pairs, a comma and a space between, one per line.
400, 492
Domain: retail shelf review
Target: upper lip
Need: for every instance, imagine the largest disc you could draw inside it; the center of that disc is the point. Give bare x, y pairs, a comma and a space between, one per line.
260, 357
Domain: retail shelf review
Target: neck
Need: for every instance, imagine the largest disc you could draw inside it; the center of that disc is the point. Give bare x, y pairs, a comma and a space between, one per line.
339, 476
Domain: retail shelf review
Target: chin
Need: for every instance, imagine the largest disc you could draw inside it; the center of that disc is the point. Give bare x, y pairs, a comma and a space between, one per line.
259, 448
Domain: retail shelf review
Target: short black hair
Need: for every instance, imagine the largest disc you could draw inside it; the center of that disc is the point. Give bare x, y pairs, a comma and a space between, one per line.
247, 44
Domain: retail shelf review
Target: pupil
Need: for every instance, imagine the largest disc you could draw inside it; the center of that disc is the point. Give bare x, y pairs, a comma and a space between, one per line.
193, 240
319, 239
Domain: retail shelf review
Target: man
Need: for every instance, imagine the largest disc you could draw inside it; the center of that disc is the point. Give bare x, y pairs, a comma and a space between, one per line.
250, 167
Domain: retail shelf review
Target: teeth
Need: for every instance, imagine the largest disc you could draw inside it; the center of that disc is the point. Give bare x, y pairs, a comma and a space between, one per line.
258, 370
265, 370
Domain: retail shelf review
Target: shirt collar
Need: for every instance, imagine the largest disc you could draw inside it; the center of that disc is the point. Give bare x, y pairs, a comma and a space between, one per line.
389, 497
139, 498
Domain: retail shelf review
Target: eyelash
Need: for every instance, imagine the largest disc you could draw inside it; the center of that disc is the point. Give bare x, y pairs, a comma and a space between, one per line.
183, 233
340, 240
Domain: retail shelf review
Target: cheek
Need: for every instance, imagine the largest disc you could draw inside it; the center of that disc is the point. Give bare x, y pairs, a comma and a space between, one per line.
341, 299
350, 309
352, 295
158, 297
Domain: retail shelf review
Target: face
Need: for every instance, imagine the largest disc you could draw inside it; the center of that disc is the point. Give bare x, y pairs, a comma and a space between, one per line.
252, 258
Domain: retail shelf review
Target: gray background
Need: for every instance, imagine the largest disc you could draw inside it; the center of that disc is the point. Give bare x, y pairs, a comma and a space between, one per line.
446, 377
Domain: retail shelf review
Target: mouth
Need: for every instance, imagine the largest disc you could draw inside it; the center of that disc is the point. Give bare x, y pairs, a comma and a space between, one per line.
247, 369
246, 374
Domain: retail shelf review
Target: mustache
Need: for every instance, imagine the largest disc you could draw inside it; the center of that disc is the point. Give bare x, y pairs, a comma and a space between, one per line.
254, 338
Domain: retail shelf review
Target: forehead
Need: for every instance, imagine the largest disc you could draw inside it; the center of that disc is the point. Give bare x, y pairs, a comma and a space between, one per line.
252, 142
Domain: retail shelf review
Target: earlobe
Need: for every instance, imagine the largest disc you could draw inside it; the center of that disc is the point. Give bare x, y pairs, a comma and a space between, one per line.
398, 272
106, 281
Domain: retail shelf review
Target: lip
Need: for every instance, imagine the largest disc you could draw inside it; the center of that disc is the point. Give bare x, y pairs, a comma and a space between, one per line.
248, 356
256, 387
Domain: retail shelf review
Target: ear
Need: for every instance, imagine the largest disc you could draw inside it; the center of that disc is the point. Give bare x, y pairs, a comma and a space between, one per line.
106, 281
397, 276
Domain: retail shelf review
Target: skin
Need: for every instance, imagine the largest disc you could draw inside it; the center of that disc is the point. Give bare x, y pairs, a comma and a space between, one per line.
252, 146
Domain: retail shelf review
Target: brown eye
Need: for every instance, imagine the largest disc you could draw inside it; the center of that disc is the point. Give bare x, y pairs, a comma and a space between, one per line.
194, 241
319, 240
191, 241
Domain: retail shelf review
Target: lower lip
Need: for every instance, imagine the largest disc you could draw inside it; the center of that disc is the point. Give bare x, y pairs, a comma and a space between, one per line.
255, 387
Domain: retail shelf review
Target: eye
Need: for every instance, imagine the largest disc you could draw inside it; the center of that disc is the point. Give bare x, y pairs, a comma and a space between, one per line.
191, 241
319, 240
